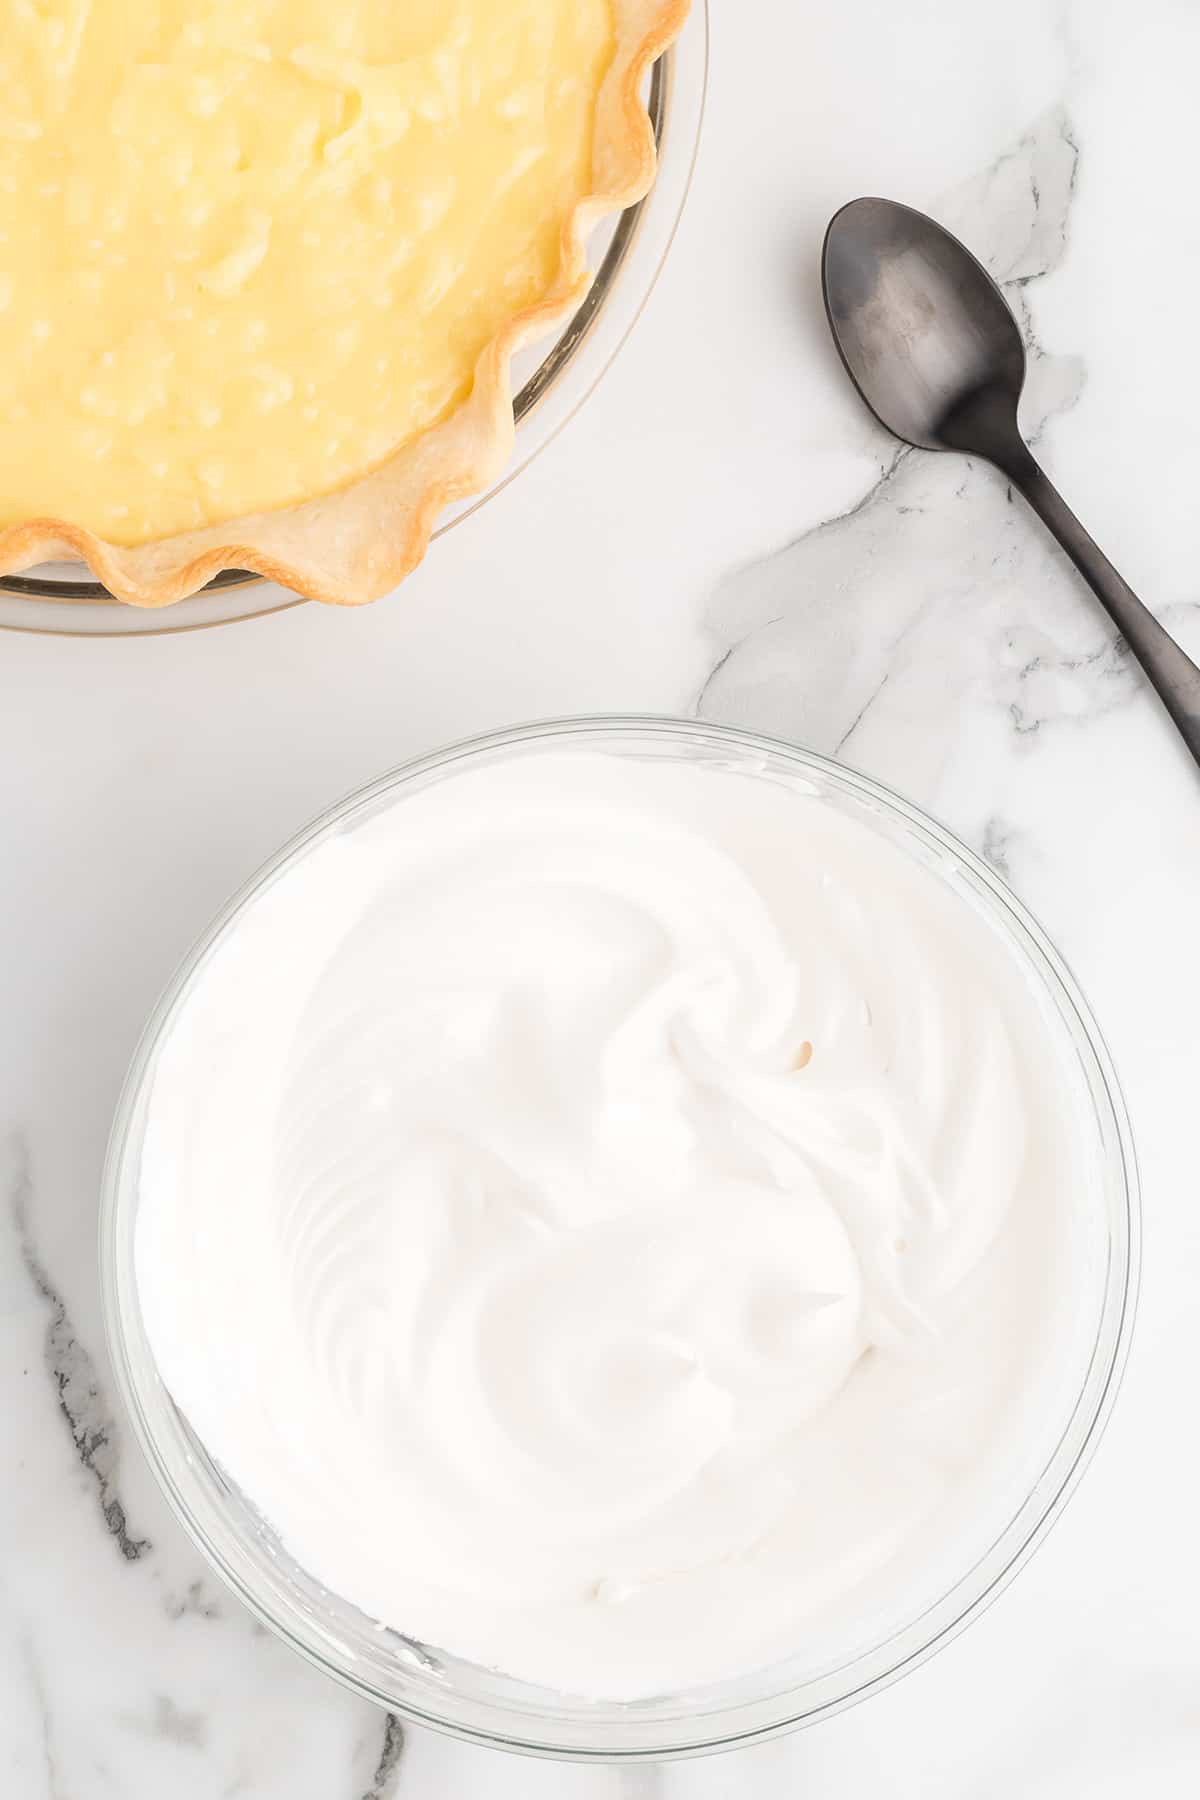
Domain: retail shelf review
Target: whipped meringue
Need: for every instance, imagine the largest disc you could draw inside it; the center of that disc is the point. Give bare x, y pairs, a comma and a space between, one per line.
608, 1215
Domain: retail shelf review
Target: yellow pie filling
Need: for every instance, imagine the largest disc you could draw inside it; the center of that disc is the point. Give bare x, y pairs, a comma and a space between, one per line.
248, 248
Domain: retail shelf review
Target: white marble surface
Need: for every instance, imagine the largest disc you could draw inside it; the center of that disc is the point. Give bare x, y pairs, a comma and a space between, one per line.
721, 528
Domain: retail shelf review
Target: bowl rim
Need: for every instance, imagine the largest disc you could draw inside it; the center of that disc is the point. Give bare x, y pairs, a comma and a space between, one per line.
645, 1738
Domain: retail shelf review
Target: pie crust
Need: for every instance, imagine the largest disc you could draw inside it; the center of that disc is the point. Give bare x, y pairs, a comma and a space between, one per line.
359, 542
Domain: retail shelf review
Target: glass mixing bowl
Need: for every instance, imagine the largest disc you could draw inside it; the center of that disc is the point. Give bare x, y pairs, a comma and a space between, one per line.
423, 1683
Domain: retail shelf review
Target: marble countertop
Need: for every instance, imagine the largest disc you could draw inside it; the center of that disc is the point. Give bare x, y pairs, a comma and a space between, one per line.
721, 530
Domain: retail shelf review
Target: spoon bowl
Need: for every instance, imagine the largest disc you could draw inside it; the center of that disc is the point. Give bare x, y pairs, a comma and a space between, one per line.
918, 322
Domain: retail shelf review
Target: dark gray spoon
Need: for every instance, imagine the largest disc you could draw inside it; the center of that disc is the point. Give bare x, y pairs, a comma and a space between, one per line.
929, 342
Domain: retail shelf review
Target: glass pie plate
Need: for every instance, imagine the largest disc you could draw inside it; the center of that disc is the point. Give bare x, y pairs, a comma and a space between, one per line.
1041, 1464
551, 381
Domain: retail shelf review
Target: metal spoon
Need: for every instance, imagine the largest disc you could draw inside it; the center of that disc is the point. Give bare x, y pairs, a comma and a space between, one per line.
929, 342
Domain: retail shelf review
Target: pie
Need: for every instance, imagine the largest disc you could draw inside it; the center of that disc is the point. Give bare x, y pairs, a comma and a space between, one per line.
264, 264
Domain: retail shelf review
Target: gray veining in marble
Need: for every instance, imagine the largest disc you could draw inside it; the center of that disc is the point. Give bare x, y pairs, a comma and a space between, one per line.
195, 1599
37, 1689
71, 1370
937, 547
385, 1782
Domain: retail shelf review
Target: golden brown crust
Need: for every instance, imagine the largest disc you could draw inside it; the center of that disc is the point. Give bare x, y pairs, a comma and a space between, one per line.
358, 543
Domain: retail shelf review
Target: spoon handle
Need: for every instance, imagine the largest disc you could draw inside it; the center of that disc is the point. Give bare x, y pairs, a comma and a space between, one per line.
1171, 671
